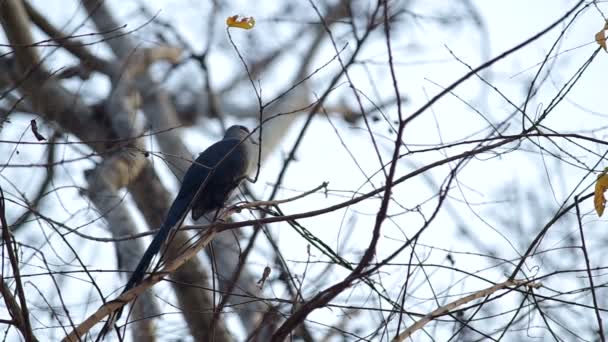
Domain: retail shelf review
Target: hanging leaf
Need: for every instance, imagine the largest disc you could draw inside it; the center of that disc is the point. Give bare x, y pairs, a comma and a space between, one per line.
599, 201
246, 23
37, 134
600, 37
264, 276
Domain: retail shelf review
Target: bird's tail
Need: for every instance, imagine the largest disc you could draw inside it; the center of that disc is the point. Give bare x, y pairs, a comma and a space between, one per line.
140, 271
138, 275
175, 216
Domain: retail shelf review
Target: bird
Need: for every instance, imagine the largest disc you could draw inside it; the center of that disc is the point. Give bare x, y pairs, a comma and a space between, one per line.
206, 186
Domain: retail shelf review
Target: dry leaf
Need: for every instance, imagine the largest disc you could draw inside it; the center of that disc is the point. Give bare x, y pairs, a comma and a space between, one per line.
600, 187
37, 134
238, 21
264, 276
600, 37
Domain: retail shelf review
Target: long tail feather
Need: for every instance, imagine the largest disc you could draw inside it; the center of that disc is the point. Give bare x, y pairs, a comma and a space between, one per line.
176, 215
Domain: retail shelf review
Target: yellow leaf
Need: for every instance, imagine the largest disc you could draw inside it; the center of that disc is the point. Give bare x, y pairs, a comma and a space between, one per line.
238, 21
600, 37
600, 187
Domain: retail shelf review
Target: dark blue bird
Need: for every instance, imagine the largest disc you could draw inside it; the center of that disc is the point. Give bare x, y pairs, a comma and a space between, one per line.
205, 188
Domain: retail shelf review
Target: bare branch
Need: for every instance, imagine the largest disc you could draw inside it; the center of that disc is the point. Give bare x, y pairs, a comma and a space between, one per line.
459, 302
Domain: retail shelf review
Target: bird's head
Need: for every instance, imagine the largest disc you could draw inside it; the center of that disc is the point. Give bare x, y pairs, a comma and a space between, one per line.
242, 133
237, 132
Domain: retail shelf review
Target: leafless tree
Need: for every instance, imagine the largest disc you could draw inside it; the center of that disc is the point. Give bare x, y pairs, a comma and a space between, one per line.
379, 211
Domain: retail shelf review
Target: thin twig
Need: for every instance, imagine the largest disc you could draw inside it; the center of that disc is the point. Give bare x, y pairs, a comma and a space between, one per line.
588, 264
443, 310
8, 243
